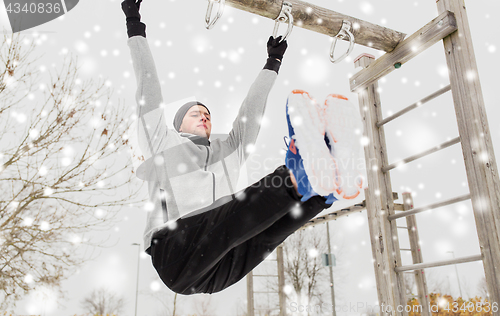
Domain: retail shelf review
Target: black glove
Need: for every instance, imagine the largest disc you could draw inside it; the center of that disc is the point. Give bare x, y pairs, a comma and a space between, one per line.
275, 50
134, 25
131, 10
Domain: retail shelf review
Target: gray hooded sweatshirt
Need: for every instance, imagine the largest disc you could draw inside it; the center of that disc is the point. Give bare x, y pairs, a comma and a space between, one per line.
187, 174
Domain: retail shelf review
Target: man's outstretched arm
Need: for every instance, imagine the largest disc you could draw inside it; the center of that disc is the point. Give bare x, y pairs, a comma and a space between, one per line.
152, 128
247, 124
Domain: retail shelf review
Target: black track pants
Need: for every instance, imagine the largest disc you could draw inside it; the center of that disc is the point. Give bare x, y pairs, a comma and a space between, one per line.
210, 251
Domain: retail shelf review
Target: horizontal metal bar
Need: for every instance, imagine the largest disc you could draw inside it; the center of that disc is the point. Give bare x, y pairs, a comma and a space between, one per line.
402, 227
414, 105
419, 266
423, 154
264, 275
428, 207
404, 249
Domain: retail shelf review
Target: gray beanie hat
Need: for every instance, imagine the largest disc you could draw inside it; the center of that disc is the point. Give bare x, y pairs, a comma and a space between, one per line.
179, 116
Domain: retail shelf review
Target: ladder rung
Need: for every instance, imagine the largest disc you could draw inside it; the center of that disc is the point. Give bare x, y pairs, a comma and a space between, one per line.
265, 275
428, 207
412, 295
402, 227
414, 105
419, 266
423, 154
404, 249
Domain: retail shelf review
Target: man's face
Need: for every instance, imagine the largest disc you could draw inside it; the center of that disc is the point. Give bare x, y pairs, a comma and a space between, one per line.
197, 121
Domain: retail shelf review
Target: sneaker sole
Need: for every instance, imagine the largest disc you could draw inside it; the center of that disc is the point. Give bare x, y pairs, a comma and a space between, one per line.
343, 128
309, 128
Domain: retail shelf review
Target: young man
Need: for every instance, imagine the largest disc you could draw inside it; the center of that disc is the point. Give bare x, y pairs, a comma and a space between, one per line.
202, 236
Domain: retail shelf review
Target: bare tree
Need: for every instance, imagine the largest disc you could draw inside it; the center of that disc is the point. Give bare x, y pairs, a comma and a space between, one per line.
483, 289
103, 302
169, 300
239, 308
203, 306
63, 168
409, 283
303, 267
437, 284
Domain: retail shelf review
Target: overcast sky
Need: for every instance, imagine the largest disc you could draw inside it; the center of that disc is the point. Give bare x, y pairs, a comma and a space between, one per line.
218, 66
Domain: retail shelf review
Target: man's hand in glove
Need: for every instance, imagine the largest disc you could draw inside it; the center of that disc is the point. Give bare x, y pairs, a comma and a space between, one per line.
131, 10
275, 48
134, 25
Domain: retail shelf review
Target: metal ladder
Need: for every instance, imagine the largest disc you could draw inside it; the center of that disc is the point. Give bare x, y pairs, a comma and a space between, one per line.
452, 27
281, 307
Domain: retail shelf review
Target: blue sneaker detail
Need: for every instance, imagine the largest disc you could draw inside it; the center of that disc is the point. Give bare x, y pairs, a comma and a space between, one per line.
293, 162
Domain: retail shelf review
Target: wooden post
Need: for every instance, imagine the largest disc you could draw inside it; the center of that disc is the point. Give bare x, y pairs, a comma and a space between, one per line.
477, 147
416, 253
250, 306
281, 280
324, 21
380, 204
418, 42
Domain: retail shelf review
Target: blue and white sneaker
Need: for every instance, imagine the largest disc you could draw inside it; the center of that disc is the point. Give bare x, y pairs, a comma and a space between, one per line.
313, 166
343, 130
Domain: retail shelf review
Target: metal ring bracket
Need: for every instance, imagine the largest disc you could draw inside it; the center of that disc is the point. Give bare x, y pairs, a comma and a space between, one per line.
285, 14
344, 31
208, 16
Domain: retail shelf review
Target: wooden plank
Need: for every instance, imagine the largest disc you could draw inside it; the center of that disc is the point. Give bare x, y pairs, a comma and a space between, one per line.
416, 254
422, 154
281, 280
379, 204
477, 147
429, 207
415, 105
439, 264
250, 302
324, 21
424, 38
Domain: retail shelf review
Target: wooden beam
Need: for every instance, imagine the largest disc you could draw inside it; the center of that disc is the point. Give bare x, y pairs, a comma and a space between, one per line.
437, 148
416, 254
324, 21
379, 204
434, 264
250, 306
281, 280
477, 147
424, 38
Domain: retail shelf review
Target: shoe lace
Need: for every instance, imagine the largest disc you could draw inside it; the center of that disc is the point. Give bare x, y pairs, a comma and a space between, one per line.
286, 139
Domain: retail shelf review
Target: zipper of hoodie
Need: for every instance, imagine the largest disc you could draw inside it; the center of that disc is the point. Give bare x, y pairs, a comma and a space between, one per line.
213, 175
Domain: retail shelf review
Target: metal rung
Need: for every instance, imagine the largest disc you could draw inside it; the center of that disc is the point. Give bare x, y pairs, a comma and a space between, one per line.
414, 105
419, 266
402, 227
428, 207
404, 249
423, 154
412, 295
265, 275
